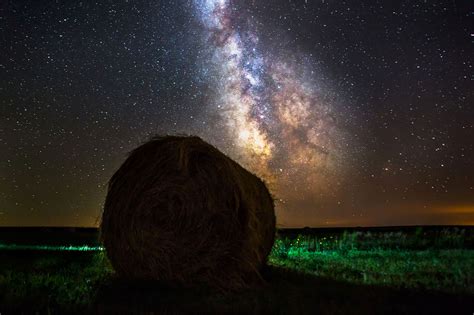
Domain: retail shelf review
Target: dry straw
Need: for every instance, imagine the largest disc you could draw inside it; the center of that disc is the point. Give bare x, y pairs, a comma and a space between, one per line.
180, 211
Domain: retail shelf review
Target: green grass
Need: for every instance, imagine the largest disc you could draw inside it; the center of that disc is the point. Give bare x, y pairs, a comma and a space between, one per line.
393, 259
69, 280
442, 270
53, 280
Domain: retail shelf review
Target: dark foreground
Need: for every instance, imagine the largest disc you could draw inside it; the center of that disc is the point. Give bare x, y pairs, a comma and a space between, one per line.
310, 272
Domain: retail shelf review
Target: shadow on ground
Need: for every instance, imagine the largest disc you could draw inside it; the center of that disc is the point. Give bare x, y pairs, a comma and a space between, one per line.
286, 292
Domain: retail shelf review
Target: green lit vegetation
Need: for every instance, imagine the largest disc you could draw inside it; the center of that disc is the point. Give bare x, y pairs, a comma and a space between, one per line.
443, 270
68, 278
52, 280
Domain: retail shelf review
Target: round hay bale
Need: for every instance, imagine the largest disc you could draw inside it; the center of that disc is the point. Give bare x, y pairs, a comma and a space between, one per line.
180, 211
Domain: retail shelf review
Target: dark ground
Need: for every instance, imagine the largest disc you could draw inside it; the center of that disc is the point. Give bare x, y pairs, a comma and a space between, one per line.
286, 292
59, 282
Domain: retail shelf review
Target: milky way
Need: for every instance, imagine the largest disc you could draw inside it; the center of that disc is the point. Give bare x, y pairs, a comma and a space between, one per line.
279, 123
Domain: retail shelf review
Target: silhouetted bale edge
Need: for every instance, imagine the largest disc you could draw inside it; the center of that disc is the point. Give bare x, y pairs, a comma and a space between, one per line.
180, 211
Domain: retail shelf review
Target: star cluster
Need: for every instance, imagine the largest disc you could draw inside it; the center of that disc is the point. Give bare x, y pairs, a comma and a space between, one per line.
353, 114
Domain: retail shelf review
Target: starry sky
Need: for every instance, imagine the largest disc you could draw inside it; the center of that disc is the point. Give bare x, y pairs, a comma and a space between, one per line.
355, 114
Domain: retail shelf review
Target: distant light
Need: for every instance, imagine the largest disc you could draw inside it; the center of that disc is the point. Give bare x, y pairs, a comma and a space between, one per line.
83, 248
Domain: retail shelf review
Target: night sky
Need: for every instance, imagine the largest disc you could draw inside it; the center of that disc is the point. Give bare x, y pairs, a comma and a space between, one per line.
355, 114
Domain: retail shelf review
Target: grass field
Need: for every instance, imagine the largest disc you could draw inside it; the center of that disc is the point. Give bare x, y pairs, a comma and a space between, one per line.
367, 271
440, 260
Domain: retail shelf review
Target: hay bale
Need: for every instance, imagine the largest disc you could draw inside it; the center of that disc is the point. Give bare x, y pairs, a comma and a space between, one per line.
180, 211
